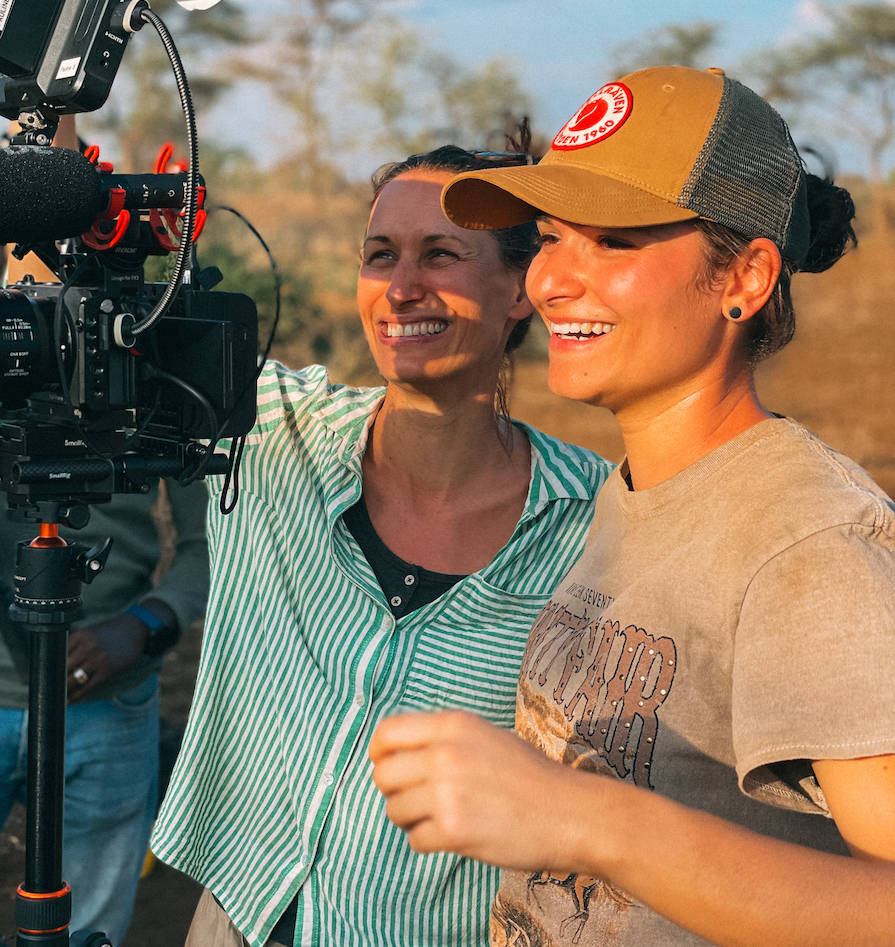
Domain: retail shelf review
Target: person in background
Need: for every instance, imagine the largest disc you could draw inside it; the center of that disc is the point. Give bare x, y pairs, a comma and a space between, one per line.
707, 702
389, 550
114, 655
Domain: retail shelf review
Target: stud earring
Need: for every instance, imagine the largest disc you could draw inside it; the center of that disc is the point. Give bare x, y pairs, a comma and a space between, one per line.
735, 312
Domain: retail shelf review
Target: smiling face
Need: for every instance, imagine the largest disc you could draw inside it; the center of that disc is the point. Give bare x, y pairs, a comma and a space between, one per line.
435, 300
628, 327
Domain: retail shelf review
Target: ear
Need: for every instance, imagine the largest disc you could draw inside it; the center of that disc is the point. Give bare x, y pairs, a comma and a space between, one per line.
522, 307
752, 278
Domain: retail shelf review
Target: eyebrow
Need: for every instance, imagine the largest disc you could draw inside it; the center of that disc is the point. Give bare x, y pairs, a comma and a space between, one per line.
431, 238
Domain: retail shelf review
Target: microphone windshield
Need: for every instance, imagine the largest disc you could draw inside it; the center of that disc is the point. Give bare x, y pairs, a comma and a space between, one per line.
46, 194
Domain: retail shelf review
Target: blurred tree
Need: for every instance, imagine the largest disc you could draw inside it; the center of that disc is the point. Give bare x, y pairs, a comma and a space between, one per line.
422, 98
687, 44
481, 102
311, 54
385, 89
841, 80
144, 108
336, 60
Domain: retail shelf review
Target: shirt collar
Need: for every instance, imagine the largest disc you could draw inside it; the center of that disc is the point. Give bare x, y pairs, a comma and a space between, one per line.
559, 471
349, 414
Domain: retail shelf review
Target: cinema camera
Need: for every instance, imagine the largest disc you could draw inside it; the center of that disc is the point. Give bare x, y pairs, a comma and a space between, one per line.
106, 381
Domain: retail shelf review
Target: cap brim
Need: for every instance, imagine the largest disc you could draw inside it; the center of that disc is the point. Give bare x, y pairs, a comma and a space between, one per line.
504, 197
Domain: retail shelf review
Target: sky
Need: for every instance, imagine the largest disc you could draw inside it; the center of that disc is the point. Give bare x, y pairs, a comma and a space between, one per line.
562, 49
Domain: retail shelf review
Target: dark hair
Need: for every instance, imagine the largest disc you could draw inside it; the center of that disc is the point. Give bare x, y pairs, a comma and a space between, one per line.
516, 246
831, 211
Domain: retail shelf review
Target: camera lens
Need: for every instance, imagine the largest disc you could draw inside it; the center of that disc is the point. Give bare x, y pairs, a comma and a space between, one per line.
27, 354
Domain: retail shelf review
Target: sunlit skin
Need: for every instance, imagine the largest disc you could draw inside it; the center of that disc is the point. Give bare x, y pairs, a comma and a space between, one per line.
444, 481
672, 368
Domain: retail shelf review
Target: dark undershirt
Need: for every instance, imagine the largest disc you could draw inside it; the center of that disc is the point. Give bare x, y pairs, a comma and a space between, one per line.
407, 588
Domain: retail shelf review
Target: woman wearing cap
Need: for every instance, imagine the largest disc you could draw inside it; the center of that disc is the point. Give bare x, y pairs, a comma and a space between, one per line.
716, 674
389, 551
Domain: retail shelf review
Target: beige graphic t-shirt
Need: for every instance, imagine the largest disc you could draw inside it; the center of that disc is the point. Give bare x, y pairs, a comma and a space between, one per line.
720, 632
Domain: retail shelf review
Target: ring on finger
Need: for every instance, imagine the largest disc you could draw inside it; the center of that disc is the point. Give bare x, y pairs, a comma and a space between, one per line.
80, 675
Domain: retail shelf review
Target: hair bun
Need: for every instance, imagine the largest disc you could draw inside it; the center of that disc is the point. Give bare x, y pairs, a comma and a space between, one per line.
831, 210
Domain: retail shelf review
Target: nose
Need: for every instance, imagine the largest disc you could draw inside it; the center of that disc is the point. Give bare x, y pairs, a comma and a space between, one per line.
552, 277
406, 285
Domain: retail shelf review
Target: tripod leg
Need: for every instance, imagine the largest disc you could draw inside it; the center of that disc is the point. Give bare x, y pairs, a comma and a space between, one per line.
43, 902
47, 598
46, 766
49, 573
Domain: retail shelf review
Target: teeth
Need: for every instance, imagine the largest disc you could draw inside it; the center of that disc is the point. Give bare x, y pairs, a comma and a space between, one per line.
581, 328
394, 330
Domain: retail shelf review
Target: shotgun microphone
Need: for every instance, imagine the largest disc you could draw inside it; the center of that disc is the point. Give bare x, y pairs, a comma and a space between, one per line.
49, 194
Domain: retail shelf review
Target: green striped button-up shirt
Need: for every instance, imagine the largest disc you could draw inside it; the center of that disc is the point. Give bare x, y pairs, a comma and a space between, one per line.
272, 795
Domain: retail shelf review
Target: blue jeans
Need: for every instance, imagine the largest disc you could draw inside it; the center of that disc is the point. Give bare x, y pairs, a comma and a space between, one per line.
111, 796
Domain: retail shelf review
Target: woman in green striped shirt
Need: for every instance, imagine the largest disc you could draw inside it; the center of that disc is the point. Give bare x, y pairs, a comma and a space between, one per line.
389, 552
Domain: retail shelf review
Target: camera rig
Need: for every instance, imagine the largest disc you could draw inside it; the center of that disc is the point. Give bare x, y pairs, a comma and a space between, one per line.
107, 382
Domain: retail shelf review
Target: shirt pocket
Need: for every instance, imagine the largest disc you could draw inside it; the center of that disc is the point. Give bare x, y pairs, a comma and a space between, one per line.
467, 651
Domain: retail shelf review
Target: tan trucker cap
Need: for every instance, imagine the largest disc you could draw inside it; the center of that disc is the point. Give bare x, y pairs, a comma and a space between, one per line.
657, 146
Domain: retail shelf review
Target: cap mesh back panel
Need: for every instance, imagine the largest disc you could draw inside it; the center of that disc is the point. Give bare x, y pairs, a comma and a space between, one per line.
748, 172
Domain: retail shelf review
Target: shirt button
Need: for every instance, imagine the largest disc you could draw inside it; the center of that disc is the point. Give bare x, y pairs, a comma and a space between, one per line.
396, 601
328, 779
409, 580
359, 699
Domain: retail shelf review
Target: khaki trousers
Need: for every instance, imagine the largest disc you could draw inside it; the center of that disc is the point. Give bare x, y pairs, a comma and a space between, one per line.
212, 927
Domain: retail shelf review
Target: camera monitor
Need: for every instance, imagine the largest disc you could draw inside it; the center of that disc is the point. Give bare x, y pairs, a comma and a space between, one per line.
61, 54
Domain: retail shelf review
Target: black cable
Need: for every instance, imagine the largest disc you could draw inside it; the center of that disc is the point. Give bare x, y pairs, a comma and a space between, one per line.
192, 191
211, 417
237, 446
277, 281
185, 254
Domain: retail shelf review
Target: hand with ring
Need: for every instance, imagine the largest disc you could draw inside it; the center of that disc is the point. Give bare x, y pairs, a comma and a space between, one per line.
100, 651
